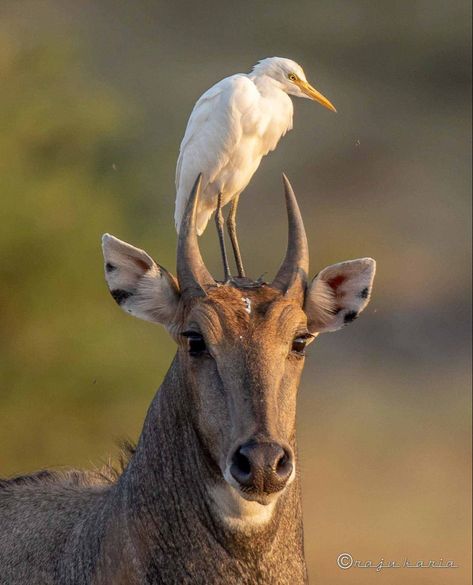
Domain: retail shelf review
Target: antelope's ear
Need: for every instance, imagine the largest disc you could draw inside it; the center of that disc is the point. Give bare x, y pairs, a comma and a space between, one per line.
338, 294
139, 286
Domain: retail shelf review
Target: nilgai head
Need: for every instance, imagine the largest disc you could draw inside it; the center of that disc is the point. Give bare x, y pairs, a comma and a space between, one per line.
241, 346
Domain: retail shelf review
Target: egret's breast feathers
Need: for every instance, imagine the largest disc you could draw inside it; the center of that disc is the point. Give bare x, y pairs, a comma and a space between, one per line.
231, 127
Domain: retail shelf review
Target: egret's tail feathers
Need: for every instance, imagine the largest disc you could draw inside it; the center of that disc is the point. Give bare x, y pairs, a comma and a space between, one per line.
202, 220
179, 212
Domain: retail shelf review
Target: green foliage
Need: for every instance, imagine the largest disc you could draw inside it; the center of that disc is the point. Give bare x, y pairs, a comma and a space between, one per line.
63, 342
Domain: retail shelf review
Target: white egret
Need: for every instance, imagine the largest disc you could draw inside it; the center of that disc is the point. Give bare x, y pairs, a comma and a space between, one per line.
232, 126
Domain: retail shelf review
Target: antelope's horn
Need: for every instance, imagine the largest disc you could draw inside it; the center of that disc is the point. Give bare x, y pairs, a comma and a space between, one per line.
291, 278
192, 274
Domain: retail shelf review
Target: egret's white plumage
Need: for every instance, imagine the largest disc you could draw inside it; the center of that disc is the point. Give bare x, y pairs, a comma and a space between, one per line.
232, 126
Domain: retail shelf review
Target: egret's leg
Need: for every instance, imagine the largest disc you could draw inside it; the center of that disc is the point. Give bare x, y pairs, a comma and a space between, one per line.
231, 226
221, 237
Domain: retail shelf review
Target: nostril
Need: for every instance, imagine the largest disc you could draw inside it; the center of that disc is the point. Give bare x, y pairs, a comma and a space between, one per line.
281, 462
283, 465
241, 462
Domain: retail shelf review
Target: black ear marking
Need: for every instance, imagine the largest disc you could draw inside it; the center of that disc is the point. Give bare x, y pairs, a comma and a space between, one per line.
110, 267
365, 293
350, 317
120, 295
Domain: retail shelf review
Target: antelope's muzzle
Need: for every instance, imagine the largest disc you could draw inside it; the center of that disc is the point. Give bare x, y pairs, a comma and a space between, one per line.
262, 468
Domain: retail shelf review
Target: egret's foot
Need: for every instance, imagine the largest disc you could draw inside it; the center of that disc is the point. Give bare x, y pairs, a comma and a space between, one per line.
244, 282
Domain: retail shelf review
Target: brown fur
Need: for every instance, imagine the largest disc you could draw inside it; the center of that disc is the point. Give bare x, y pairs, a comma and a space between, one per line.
163, 520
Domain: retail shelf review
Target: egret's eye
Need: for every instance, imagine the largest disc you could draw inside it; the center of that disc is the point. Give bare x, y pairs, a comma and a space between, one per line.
292, 76
300, 342
195, 343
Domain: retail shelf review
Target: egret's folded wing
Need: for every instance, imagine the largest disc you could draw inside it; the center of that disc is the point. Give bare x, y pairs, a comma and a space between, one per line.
213, 132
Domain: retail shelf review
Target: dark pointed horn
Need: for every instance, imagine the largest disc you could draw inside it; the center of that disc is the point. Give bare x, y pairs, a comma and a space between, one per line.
192, 274
291, 278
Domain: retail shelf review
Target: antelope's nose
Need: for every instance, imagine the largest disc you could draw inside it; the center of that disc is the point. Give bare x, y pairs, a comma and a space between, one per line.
263, 468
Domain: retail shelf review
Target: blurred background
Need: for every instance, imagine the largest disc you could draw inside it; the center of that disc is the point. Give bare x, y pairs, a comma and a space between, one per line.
94, 99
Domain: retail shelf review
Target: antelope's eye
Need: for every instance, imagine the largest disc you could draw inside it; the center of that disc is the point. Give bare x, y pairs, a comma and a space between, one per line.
292, 76
300, 343
195, 343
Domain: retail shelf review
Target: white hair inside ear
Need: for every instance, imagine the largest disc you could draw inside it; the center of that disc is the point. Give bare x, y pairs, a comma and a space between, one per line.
139, 285
338, 294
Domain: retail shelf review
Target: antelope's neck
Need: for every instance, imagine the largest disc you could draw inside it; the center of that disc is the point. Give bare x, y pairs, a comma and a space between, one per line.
173, 524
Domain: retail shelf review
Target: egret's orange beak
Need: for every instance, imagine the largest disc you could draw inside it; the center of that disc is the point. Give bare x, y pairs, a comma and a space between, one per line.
314, 94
